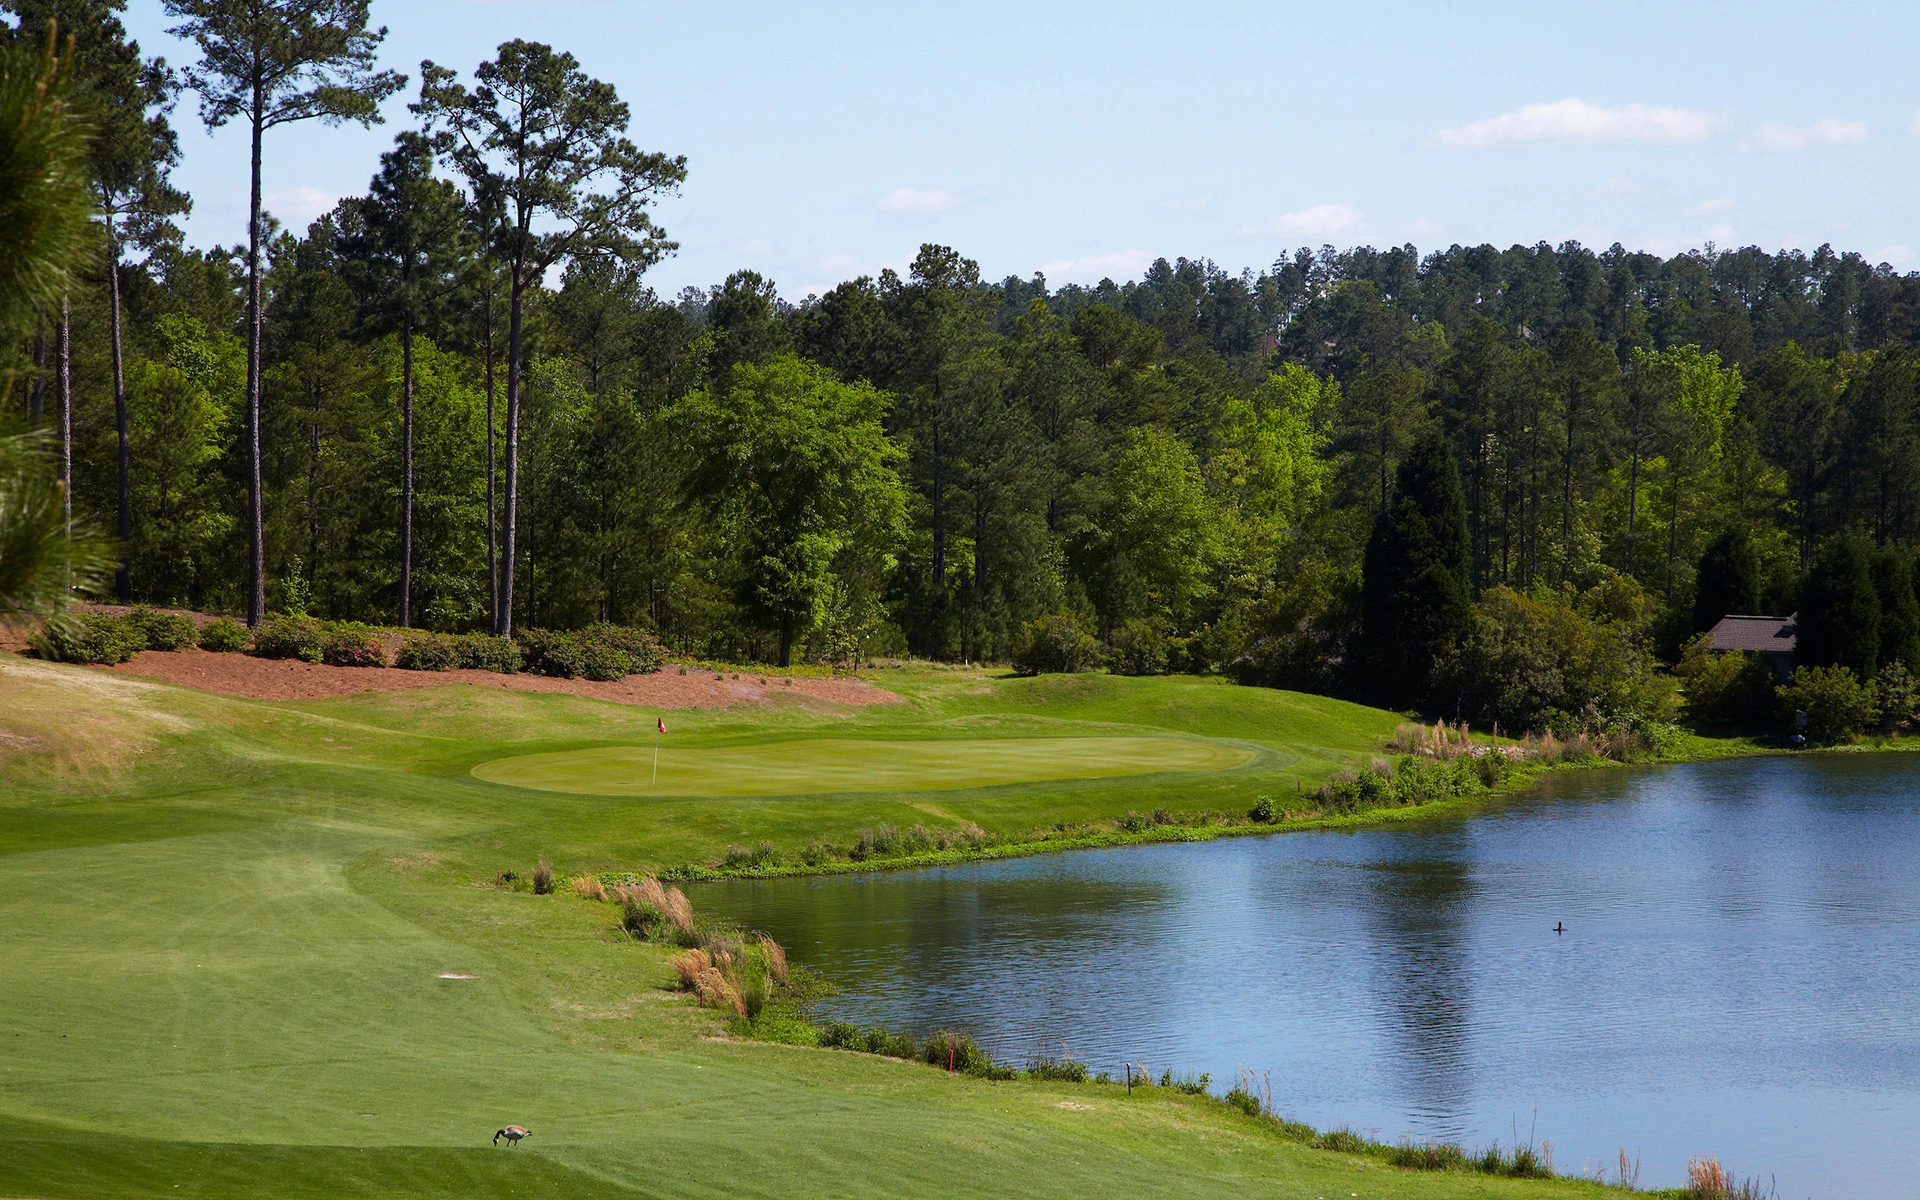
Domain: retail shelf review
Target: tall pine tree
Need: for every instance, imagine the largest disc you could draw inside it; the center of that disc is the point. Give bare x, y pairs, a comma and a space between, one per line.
1416, 595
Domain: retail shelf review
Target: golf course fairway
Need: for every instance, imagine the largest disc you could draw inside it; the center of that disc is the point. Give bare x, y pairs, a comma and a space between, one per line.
819, 765
257, 949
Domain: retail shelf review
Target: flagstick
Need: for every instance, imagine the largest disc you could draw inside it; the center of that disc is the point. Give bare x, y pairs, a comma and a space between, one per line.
656, 757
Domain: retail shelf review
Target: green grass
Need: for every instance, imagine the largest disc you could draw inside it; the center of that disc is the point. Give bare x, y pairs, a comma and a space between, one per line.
226, 923
811, 766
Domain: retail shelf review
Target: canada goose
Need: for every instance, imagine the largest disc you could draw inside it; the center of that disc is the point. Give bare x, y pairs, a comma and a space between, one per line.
513, 1134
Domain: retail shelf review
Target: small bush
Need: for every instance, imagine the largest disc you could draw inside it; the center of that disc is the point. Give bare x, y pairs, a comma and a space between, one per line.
163, 630
482, 652
93, 638
351, 644
959, 1052
291, 637
1837, 705
642, 649
739, 858
1192, 1085
1428, 1156
428, 652
1244, 1100
1056, 1070
1344, 1141
1056, 645
575, 655
1137, 647
1262, 810
225, 636
542, 879
1896, 696
1725, 686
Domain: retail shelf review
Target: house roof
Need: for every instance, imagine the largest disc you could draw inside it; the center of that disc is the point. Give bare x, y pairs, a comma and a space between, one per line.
1762, 635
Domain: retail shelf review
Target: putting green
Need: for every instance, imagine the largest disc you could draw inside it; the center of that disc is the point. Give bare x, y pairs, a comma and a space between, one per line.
845, 765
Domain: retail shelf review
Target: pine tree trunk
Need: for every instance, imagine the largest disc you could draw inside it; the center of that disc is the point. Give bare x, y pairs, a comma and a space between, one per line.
493, 559
66, 409
123, 575
256, 523
503, 620
406, 471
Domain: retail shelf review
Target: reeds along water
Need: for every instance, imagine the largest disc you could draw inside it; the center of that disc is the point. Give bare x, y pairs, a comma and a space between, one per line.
725, 968
1708, 1180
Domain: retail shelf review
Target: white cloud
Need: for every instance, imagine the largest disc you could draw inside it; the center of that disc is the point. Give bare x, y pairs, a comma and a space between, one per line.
1913, 126
1828, 131
1422, 227
1896, 256
1123, 264
1191, 206
1708, 208
1580, 122
299, 207
1322, 220
920, 201
754, 246
1722, 235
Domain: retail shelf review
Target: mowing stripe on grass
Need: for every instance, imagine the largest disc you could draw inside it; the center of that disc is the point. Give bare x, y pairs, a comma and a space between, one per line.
818, 765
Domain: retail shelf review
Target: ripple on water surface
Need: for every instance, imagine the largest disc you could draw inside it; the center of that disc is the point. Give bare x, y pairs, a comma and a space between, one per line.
1738, 974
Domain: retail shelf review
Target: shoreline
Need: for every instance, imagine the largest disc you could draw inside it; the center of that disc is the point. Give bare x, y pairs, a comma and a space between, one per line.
1701, 748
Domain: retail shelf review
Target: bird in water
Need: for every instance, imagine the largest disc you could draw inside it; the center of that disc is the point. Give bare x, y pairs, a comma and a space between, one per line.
1559, 927
513, 1134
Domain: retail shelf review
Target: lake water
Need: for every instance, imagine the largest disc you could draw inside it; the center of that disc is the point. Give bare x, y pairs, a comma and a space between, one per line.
1739, 976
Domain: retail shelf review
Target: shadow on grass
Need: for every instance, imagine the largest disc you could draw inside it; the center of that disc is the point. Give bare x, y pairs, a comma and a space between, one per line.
67, 1165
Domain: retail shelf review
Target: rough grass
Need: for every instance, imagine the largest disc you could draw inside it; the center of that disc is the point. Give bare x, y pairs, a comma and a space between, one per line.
222, 969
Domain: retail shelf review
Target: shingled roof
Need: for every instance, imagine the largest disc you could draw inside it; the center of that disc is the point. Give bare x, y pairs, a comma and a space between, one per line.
1761, 635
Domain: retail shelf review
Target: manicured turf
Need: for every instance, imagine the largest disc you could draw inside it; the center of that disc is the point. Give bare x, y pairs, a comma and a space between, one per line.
226, 924
815, 765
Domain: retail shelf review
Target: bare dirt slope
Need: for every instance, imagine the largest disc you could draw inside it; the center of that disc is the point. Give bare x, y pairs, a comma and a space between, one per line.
288, 679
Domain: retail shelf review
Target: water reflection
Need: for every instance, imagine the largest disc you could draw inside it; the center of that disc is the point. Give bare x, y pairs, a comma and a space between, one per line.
1737, 977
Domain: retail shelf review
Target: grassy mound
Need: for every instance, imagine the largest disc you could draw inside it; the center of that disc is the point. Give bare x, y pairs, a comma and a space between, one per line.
229, 924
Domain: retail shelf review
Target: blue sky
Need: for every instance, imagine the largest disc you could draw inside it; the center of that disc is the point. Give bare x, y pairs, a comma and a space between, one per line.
1084, 140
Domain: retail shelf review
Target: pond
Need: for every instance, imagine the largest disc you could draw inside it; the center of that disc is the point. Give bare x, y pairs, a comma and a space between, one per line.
1738, 976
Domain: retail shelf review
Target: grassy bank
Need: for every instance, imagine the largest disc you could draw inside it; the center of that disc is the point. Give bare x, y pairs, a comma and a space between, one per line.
253, 951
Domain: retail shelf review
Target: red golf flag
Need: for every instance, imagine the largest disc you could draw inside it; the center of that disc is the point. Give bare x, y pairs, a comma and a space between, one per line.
663, 724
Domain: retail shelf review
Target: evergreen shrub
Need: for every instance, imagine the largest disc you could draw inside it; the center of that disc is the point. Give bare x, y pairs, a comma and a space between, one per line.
351, 644
285, 636
225, 635
1137, 647
428, 652
163, 630
1837, 704
483, 652
93, 638
1056, 645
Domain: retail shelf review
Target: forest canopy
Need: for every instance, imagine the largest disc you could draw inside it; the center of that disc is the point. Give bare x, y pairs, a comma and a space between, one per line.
1445, 479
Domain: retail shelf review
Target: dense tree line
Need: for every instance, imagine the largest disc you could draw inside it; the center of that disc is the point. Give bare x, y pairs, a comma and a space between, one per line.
1446, 480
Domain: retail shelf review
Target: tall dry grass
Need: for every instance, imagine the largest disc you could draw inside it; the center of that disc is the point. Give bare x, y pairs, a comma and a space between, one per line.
589, 887
1708, 1180
776, 957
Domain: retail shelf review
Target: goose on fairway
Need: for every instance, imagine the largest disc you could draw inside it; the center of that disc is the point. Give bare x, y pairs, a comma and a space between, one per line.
513, 1134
